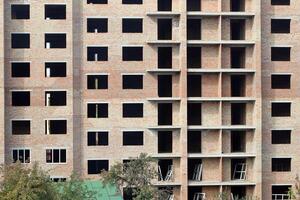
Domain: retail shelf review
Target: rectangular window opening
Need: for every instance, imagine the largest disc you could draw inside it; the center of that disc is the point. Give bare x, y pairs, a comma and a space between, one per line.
194, 113
20, 98
97, 25
20, 69
21, 155
133, 138
133, 110
193, 29
165, 113
194, 57
238, 141
281, 109
55, 98
20, 40
164, 141
132, 1
132, 53
20, 11
238, 114
164, 5
280, 53
238, 57
195, 169
237, 29
193, 5
97, 166
97, 138
164, 85
97, 82
56, 12
280, 2
281, 81
133, 25
164, 29
96, 1
280, 25
164, 57
280, 192
97, 53
194, 85
55, 126
237, 5
194, 141
281, 164
20, 127
56, 156
55, 40
97, 110
238, 85
132, 81
58, 69
281, 136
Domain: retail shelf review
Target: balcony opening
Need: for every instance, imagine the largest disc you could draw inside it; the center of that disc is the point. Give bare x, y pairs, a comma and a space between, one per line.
97, 25
20, 69
55, 126
133, 25
132, 82
133, 110
164, 5
195, 192
281, 164
194, 141
164, 57
281, 136
238, 141
238, 114
281, 192
97, 110
280, 2
20, 127
165, 113
55, 98
20, 98
164, 141
133, 138
165, 170
238, 85
96, 1
280, 25
164, 85
280, 53
238, 57
20, 40
193, 5
237, 29
281, 81
97, 82
55, 11
132, 1
237, 5
97, 166
194, 57
55, 69
194, 113
164, 29
20, 11
97, 53
194, 86
238, 169
55, 40
132, 53
97, 138
238, 192
195, 169
281, 109
194, 29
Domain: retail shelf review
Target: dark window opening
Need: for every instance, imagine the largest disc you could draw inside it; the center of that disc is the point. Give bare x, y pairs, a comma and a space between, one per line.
194, 113
238, 114
164, 85
97, 53
281, 109
97, 110
164, 5
194, 86
237, 29
132, 25
132, 81
194, 192
164, 29
238, 141
20, 127
164, 57
20, 98
194, 169
281, 81
133, 138
133, 110
56, 156
237, 5
55, 127
58, 179
281, 164
194, 141
132, 1
281, 136
194, 57
193, 5
97, 1
237, 57
280, 2
164, 141
97, 166
194, 29
97, 82
238, 192
280, 54
20, 69
132, 53
280, 192
20, 11
55, 11
20, 40
238, 85
97, 138
21, 155
97, 25
165, 113
238, 169
164, 167
280, 25
55, 69
55, 98
55, 40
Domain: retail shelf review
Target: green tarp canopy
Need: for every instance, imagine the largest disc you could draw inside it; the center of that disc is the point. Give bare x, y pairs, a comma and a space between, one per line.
102, 193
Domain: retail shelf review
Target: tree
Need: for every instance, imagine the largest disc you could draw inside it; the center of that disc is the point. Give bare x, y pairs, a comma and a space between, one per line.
136, 175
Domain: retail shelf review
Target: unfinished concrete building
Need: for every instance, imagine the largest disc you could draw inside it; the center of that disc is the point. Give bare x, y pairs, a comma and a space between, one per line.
208, 87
